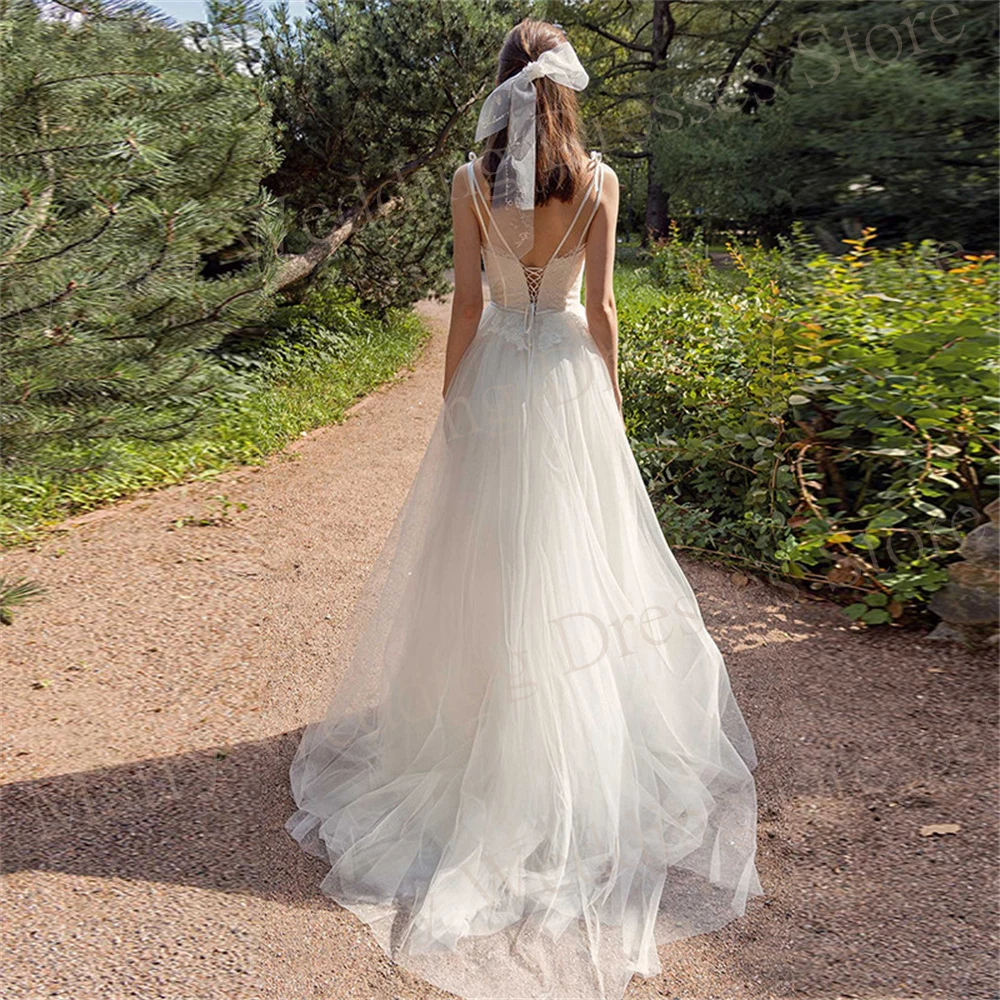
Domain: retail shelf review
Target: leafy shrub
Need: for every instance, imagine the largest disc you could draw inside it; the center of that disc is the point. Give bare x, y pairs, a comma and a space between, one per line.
681, 265
832, 421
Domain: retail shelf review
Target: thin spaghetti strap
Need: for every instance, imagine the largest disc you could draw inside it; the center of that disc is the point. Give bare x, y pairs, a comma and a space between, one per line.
476, 194
477, 189
595, 183
483, 226
599, 187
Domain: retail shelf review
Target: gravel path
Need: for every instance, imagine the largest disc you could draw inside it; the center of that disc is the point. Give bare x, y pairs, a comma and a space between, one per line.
154, 699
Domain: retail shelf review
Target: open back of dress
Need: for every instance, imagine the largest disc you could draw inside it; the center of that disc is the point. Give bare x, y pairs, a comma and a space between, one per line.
553, 285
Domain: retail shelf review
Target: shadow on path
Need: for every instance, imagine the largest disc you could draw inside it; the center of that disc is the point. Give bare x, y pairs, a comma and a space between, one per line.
211, 819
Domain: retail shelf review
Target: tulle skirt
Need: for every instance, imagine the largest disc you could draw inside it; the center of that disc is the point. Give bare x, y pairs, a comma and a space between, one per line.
533, 770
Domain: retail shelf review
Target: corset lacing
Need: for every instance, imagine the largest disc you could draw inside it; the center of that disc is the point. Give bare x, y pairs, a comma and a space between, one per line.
533, 274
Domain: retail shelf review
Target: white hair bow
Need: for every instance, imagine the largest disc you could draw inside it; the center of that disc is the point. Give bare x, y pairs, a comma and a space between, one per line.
512, 105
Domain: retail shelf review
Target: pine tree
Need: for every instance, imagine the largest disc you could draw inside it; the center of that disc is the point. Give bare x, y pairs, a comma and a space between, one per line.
131, 151
880, 113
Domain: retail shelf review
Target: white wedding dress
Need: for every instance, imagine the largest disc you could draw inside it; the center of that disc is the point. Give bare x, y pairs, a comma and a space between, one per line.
533, 770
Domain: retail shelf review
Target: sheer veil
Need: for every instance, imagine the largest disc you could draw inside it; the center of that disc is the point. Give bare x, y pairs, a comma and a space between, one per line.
513, 106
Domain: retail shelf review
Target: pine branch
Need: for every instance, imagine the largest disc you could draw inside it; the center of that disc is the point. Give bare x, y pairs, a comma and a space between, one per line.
300, 266
41, 207
66, 249
617, 39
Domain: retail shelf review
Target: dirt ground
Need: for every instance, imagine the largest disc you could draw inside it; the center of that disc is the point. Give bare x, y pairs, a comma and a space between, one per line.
153, 700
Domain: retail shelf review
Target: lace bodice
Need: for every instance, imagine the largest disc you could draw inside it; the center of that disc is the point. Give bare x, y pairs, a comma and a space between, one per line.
552, 286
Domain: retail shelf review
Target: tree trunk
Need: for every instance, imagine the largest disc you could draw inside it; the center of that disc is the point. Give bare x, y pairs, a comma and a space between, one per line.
657, 200
657, 211
297, 267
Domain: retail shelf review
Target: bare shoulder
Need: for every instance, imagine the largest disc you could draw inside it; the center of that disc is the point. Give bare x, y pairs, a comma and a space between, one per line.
609, 189
610, 180
460, 181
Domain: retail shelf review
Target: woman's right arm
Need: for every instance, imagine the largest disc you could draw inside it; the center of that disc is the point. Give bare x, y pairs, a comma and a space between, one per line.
467, 300
602, 313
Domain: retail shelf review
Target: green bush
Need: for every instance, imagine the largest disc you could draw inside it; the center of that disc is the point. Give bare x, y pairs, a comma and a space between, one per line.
681, 265
832, 420
303, 335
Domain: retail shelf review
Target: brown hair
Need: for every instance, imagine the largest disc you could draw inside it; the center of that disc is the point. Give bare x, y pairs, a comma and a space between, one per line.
560, 159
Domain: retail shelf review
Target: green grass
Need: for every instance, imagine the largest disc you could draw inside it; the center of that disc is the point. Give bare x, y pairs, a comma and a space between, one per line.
634, 286
310, 396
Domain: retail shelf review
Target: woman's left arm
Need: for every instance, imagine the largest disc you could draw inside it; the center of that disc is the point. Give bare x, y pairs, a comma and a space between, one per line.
467, 300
